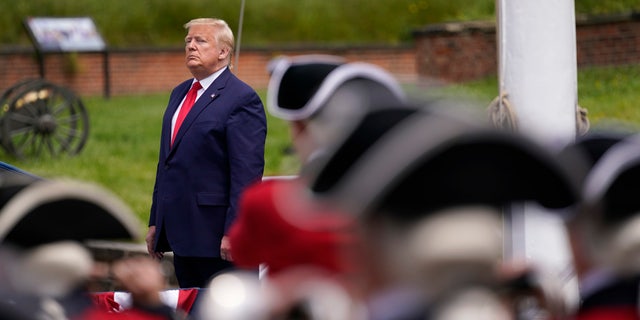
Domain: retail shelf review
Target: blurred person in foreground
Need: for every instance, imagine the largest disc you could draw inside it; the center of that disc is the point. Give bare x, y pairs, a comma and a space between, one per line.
322, 98
46, 266
50, 281
604, 229
206, 162
428, 198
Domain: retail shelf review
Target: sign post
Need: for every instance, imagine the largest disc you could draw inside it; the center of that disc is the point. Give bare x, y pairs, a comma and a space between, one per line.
73, 34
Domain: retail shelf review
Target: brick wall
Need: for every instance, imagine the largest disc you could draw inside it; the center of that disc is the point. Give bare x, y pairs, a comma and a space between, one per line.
612, 40
450, 52
467, 51
159, 70
456, 51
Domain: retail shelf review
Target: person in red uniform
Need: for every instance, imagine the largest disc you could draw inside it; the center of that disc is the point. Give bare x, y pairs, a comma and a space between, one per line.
278, 225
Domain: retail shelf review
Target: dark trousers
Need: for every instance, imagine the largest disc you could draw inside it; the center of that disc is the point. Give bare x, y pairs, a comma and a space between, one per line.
196, 272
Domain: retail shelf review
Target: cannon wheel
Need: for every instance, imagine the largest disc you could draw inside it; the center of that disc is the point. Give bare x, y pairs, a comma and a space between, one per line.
40, 118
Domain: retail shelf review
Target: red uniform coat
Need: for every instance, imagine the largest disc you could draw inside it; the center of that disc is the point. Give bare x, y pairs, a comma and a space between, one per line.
279, 226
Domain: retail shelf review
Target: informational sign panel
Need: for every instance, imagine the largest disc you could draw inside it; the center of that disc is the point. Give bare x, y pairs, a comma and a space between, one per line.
54, 35
77, 34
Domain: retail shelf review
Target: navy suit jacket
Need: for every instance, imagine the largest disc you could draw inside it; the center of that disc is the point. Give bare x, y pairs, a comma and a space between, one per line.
217, 152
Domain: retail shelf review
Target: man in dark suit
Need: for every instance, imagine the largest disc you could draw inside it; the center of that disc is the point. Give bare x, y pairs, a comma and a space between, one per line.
207, 161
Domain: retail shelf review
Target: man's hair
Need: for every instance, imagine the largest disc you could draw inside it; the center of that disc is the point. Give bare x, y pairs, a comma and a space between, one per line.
223, 34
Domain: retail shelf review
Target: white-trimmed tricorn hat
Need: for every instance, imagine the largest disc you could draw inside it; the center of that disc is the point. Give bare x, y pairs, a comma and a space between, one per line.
302, 85
36, 211
612, 208
613, 184
590, 147
430, 161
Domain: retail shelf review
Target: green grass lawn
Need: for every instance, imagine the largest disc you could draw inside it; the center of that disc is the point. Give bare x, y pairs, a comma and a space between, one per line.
121, 152
610, 94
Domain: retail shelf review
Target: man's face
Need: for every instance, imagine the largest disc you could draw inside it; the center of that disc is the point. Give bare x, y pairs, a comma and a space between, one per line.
203, 55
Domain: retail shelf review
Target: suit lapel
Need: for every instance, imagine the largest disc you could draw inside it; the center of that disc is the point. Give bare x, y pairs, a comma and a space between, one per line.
210, 95
171, 110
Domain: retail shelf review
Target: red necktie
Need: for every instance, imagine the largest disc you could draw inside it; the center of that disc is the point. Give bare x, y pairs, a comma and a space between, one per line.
186, 106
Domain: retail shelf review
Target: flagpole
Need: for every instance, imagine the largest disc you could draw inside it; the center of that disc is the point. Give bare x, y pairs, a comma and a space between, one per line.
239, 38
537, 71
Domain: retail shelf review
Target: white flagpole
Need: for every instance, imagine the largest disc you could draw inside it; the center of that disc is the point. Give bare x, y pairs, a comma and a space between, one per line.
537, 68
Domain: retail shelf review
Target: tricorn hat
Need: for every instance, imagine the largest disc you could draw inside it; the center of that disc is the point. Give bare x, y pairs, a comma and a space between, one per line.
301, 85
612, 186
431, 161
37, 211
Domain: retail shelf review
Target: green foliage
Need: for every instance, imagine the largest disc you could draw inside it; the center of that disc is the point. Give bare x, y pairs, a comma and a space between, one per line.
606, 7
350, 21
121, 22
135, 23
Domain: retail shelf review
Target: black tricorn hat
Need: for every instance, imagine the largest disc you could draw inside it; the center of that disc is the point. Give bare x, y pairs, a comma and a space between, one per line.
431, 161
300, 86
373, 126
594, 145
612, 187
366, 133
589, 148
37, 211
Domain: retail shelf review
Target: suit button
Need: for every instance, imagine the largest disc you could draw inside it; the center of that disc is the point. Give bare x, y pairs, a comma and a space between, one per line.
166, 166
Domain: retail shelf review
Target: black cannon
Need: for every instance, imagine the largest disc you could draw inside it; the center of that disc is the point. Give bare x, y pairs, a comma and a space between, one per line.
40, 118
